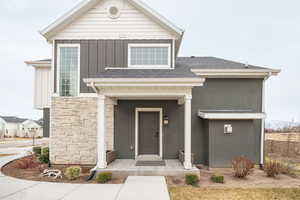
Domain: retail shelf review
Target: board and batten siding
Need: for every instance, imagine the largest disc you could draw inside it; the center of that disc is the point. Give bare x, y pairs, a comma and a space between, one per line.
42, 87
96, 55
131, 24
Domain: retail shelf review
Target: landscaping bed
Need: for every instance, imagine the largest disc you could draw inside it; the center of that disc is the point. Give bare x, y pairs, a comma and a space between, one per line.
257, 179
193, 193
34, 173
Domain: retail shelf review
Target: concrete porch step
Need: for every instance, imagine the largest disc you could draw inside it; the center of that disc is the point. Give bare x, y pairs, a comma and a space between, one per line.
124, 168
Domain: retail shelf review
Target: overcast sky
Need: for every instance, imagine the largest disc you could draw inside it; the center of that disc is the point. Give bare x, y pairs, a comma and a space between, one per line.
264, 33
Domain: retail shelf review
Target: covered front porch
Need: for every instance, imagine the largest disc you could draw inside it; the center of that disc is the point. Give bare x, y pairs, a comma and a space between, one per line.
142, 108
127, 167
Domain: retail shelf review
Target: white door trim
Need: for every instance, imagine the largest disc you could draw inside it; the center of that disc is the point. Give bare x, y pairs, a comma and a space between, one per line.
137, 111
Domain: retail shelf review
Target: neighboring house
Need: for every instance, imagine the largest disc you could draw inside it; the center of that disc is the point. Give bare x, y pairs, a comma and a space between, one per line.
12, 125
116, 82
31, 128
2, 128
19, 127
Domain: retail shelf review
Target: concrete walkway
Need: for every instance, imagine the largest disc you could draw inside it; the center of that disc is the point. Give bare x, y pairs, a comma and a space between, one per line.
145, 188
135, 188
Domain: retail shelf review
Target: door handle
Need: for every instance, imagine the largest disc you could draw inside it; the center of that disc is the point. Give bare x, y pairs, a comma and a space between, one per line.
156, 134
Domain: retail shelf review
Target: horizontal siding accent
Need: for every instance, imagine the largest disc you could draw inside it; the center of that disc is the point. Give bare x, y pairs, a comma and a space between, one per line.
42, 88
96, 24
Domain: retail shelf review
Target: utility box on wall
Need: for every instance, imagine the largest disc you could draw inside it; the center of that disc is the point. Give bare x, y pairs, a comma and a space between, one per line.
228, 129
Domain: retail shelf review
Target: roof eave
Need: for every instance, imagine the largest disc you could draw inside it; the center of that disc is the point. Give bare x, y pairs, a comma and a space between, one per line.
125, 82
43, 64
236, 73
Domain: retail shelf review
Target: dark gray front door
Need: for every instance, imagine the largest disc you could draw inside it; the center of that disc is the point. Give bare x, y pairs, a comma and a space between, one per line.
148, 133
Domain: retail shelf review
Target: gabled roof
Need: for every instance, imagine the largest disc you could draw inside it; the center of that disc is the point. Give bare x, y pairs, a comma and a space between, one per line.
85, 5
12, 119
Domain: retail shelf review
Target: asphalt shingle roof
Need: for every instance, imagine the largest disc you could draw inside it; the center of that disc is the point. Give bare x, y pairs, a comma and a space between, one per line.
11, 119
182, 69
212, 63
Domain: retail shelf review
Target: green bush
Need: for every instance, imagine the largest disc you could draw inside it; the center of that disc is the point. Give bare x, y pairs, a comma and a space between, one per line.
44, 157
104, 177
217, 178
73, 172
37, 151
191, 179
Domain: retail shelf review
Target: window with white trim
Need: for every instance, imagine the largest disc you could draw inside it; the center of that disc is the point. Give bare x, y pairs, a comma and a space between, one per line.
149, 55
68, 69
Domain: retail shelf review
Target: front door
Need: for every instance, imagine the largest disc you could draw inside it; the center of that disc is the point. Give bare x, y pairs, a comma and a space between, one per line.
148, 133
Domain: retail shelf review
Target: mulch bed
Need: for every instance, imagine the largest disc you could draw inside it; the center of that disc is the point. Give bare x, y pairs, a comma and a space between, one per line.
33, 174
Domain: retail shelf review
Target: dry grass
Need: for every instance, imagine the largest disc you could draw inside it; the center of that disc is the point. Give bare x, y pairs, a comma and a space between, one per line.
293, 137
4, 155
193, 193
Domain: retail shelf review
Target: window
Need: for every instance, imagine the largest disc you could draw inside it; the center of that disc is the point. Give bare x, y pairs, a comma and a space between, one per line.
149, 55
68, 69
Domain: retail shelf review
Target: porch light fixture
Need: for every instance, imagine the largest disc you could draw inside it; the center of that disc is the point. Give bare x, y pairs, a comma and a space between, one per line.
166, 120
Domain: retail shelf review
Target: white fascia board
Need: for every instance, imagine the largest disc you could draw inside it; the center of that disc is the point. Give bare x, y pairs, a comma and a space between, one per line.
85, 5
187, 82
68, 17
156, 16
232, 115
235, 73
42, 64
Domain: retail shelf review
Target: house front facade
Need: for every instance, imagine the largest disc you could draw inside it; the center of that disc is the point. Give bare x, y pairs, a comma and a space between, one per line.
116, 83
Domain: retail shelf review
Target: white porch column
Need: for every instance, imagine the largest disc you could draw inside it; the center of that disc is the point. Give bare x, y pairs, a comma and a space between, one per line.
101, 143
187, 133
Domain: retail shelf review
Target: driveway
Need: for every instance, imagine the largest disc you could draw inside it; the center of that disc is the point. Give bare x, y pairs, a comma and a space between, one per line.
135, 188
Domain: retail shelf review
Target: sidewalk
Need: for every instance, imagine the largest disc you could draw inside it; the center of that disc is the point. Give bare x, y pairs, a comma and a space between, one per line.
135, 188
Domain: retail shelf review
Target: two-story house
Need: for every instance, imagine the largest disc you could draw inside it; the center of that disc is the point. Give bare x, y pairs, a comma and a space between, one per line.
116, 82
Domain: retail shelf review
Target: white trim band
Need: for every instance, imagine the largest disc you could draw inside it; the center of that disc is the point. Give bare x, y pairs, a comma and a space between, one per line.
235, 73
231, 115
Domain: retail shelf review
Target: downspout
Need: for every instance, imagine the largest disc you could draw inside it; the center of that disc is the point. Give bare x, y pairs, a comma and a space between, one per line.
262, 142
93, 170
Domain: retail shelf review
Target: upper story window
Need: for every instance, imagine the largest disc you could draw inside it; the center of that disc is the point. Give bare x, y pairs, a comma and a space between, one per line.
68, 59
149, 55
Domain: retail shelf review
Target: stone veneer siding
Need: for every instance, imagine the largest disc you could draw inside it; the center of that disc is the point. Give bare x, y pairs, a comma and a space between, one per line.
73, 130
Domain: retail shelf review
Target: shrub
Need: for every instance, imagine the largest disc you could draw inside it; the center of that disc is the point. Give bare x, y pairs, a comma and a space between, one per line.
242, 166
37, 151
25, 163
104, 177
273, 168
191, 179
217, 178
73, 173
44, 157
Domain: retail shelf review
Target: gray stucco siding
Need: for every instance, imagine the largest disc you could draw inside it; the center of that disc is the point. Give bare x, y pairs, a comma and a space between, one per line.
96, 55
124, 135
224, 148
244, 94
46, 122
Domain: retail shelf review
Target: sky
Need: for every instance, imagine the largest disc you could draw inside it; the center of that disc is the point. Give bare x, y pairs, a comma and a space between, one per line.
264, 33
